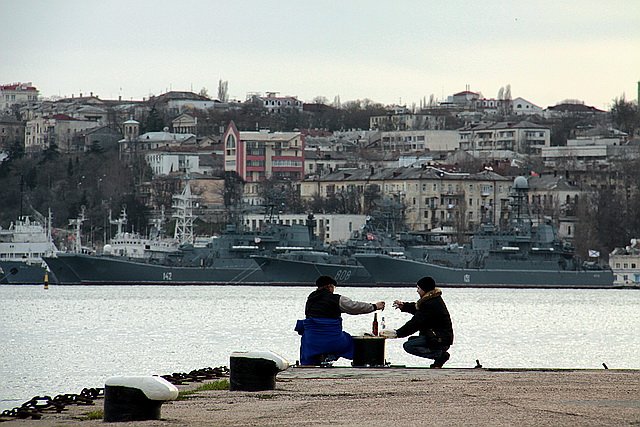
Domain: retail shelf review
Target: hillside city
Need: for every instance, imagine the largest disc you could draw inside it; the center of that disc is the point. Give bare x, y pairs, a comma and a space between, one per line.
440, 168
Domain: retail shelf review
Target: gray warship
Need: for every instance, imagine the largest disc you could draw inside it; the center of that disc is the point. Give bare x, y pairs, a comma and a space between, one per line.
219, 260
302, 267
522, 255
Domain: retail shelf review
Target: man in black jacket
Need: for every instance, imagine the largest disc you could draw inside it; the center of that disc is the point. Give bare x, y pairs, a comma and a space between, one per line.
431, 318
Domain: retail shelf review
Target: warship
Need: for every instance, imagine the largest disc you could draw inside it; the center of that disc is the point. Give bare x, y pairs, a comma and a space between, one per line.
217, 260
302, 267
521, 255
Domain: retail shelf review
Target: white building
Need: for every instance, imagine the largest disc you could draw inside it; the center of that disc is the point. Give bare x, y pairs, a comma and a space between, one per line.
165, 162
329, 227
523, 137
625, 263
17, 94
522, 107
277, 104
419, 140
142, 144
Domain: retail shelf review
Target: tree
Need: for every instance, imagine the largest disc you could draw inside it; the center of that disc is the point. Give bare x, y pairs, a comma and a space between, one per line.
223, 91
154, 122
625, 115
204, 92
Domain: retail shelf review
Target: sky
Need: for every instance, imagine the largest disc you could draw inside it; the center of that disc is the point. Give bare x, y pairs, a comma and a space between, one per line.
398, 52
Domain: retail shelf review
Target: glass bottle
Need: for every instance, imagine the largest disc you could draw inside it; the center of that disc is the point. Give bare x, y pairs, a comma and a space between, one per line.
375, 324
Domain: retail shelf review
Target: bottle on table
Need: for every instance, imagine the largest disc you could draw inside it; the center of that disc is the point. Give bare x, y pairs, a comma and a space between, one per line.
375, 324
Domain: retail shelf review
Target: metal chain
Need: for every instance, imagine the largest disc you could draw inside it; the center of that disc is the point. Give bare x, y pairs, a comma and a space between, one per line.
37, 405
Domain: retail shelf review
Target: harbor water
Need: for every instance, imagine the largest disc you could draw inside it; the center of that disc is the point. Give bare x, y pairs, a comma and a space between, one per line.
67, 338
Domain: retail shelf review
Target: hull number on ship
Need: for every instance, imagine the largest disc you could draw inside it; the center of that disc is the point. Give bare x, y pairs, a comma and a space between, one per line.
467, 278
343, 275
166, 276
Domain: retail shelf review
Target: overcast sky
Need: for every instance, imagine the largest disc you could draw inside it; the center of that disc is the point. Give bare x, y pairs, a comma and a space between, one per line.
389, 52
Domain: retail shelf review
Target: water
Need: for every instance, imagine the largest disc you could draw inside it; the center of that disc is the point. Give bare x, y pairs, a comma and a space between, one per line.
63, 339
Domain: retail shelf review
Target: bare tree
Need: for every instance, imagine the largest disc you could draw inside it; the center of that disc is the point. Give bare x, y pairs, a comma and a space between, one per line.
626, 115
223, 90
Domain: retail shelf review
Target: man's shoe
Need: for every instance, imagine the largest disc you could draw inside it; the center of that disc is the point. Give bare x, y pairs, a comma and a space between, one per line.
440, 360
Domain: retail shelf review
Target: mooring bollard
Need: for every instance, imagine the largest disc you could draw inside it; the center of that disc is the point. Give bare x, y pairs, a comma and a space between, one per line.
136, 398
255, 370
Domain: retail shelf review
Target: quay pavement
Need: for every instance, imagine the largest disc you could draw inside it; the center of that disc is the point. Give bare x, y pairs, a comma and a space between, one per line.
341, 396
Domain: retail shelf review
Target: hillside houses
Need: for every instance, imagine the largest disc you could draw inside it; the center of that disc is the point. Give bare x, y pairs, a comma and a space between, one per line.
448, 165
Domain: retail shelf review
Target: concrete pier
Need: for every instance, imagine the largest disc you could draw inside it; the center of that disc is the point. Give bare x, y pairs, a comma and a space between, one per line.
406, 396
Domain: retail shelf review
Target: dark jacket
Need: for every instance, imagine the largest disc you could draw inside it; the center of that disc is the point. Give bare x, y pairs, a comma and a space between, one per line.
430, 317
324, 303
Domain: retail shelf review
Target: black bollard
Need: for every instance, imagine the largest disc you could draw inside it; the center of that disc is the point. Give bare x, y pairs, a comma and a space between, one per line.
254, 370
368, 351
136, 398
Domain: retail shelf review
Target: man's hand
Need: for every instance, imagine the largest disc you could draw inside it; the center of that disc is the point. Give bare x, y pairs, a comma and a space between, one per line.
389, 333
380, 305
398, 304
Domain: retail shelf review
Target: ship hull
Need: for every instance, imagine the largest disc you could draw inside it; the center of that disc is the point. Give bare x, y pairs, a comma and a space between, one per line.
388, 271
304, 273
77, 269
27, 274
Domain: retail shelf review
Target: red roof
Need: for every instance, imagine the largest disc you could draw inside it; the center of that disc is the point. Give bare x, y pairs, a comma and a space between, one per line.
17, 86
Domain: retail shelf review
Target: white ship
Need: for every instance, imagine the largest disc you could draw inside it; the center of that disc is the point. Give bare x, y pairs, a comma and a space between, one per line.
134, 245
22, 247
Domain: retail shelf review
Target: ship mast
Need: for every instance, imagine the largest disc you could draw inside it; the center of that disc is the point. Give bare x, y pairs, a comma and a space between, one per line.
183, 205
158, 223
120, 222
77, 223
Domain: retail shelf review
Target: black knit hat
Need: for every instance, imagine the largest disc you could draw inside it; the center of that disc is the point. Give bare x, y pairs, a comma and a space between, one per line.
427, 284
325, 280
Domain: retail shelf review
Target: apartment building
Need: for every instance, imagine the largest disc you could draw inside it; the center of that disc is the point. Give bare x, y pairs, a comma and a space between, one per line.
522, 137
262, 155
406, 121
178, 160
625, 263
434, 198
554, 196
16, 94
11, 131
59, 129
583, 157
277, 104
419, 140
